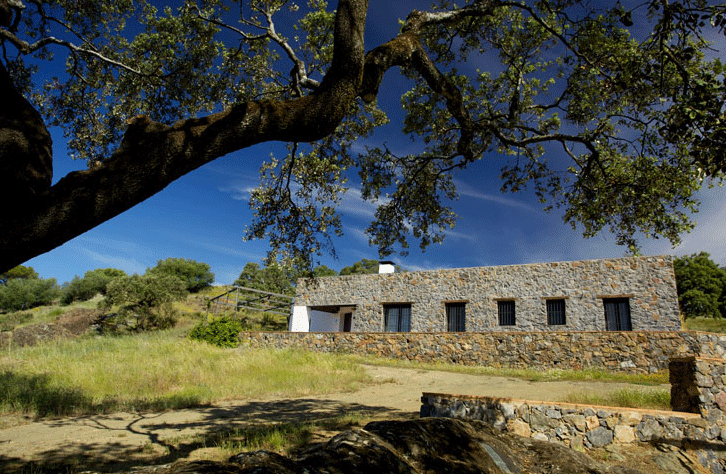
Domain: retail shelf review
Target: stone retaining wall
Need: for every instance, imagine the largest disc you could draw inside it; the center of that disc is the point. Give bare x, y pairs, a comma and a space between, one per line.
640, 352
697, 385
647, 282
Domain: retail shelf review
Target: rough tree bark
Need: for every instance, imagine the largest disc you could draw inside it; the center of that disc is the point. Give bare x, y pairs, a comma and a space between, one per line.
152, 155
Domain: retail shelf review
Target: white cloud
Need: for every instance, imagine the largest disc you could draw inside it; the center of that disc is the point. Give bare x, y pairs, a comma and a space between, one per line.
469, 191
129, 265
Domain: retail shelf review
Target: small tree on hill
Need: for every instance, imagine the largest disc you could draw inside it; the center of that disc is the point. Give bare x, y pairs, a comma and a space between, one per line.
21, 272
147, 298
92, 283
25, 293
195, 275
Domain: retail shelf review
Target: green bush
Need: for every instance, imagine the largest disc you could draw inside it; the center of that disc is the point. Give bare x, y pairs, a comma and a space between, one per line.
92, 283
222, 332
20, 293
147, 298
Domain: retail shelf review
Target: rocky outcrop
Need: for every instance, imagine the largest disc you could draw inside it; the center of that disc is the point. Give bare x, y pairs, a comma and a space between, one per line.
71, 324
428, 445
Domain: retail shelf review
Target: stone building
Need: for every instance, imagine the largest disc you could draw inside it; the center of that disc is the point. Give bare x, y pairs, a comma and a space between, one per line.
622, 294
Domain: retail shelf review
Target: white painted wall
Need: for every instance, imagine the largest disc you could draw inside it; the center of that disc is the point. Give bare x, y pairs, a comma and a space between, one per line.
300, 319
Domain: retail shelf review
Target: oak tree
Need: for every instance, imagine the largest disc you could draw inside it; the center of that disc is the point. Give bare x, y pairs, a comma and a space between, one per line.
612, 111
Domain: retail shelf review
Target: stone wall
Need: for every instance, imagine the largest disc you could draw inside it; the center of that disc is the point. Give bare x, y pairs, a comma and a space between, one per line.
648, 283
640, 352
698, 422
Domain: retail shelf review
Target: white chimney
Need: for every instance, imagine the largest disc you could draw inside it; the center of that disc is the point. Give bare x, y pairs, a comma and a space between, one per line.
386, 267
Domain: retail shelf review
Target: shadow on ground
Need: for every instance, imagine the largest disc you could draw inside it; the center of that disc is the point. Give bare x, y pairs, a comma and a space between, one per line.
167, 442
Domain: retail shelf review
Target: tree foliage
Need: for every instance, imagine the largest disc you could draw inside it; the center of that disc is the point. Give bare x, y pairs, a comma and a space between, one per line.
364, 266
147, 298
195, 275
21, 271
26, 293
274, 277
611, 111
92, 283
701, 286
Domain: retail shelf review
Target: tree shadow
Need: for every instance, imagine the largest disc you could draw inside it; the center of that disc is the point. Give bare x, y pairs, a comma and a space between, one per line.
166, 442
36, 394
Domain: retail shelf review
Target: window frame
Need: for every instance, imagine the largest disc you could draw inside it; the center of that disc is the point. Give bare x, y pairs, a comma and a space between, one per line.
456, 314
402, 313
556, 316
504, 315
619, 320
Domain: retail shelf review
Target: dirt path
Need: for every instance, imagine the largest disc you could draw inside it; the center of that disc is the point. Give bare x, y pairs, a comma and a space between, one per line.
119, 441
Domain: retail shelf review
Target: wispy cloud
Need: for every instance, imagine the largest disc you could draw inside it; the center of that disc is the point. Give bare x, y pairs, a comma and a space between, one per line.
470, 192
228, 251
238, 192
129, 265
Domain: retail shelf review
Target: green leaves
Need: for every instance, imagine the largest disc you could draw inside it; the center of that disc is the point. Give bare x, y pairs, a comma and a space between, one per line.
701, 284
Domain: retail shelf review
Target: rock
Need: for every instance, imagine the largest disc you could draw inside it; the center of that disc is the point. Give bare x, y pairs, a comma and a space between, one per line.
427, 445
600, 437
624, 434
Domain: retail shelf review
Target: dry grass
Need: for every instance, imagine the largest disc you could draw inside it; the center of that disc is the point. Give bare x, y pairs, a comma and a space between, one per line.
157, 371
626, 398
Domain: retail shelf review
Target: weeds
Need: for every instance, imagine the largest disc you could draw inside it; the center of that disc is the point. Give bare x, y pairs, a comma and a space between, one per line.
625, 398
157, 371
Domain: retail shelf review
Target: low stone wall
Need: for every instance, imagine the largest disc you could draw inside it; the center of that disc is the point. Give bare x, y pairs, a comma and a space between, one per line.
570, 424
639, 352
698, 387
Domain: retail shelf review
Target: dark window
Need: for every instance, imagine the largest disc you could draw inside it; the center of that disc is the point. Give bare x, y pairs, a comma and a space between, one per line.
506, 313
556, 312
456, 317
617, 314
347, 321
397, 317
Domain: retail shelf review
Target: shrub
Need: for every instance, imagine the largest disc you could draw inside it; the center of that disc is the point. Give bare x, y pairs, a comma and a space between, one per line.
92, 283
147, 298
20, 293
222, 332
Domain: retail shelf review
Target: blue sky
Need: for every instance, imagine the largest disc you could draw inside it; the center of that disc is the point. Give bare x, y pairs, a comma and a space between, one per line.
202, 215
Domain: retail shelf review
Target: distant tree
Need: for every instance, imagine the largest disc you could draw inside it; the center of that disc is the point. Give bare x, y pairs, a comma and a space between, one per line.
275, 278
92, 283
195, 275
148, 298
700, 283
323, 271
26, 293
20, 271
364, 266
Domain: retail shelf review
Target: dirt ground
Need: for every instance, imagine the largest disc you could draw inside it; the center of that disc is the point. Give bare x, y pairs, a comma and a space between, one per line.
119, 442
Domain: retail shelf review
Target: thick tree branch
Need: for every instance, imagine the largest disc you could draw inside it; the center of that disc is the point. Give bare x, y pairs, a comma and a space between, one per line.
152, 155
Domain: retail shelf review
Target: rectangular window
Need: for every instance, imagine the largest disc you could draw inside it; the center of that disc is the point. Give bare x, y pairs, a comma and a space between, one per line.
397, 317
556, 312
456, 317
506, 313
617, 314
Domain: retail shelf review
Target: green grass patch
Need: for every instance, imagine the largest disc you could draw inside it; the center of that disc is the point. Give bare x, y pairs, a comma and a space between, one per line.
158, 371
533, 375
625, 398
717, 325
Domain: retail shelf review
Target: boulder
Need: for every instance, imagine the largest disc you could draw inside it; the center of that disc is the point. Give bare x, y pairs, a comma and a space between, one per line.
426, 445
